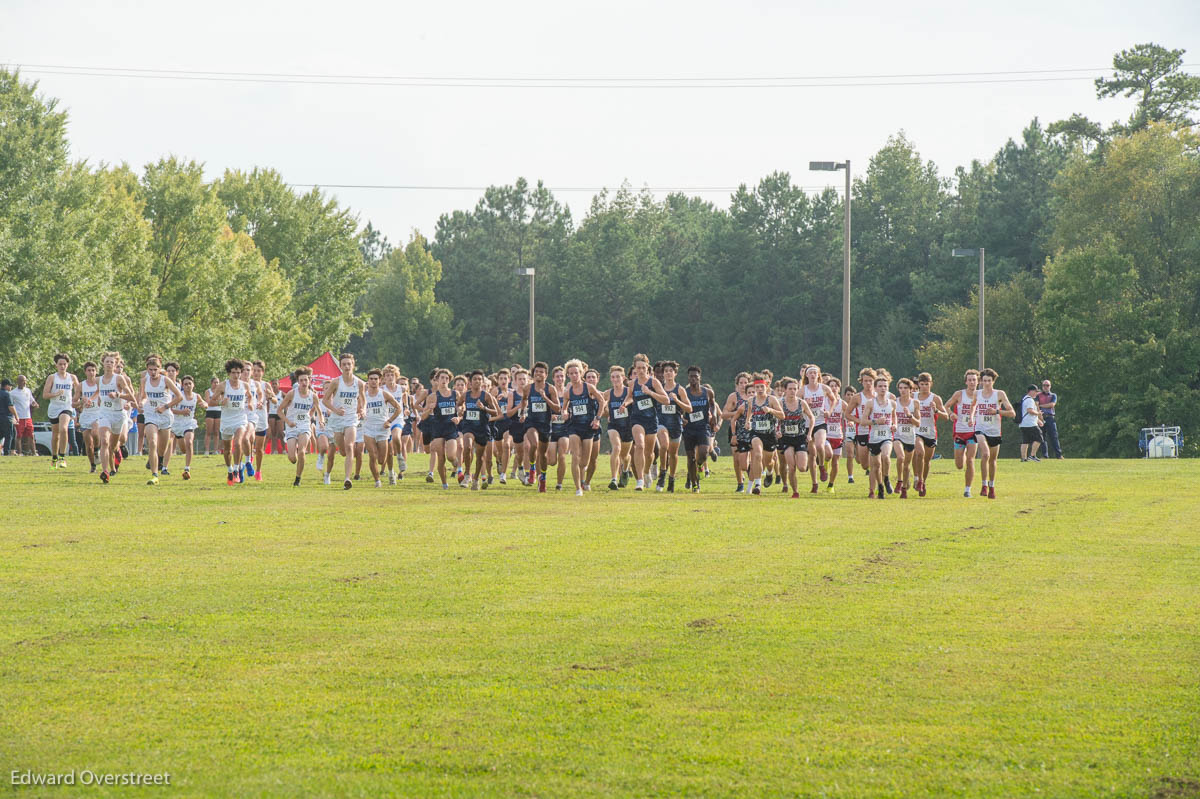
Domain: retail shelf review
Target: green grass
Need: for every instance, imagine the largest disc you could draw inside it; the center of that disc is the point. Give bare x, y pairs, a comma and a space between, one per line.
265, 640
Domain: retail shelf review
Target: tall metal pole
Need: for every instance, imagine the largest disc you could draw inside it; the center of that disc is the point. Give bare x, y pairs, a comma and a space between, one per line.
532, 360
846, 286
981, 292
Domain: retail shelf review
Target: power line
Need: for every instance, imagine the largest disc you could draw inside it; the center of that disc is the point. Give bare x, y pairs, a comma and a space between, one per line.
546, 79
406, 187
555, 83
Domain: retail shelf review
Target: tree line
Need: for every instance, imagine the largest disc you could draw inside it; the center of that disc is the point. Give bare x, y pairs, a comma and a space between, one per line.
1093, 258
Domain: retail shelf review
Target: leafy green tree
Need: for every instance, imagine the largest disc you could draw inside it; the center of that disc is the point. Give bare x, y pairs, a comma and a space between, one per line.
511, 227
315, 243
411, 328
1119, 311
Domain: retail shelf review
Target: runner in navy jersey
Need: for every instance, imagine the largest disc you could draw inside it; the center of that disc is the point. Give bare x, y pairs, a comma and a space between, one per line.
643, 418
539, 402
479, 408
560, 439
592, 378
517, 430
620, 432
697, 430
670, 419
443, 410
580, 400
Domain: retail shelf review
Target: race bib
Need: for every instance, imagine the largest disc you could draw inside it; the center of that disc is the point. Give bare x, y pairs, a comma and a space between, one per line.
989, 419
235, 404
834, 431
377, 410
669, 409
302, 416
447, 410
645, 404
696, 416
473, 416
762, 425
579, 410
906, 429
110, 402
791, 429
153, 403
537, 407
621, 413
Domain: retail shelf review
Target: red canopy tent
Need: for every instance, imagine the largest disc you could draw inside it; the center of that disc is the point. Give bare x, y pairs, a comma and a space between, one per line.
324, 368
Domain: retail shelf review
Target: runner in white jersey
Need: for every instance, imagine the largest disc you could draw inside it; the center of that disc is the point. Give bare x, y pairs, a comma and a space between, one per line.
61, 389
233, 396
183, 422
879, 411
908, 417
835, 430
89, 413
212, 419
381, 410
343, 400
298, 409
157, 395
114, 390
395, 384
962, 414
850, 431
264, 396
819, 398
866, 379
992, 404
931, 408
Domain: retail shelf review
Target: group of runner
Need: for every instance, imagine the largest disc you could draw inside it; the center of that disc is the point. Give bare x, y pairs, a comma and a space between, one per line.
523, 423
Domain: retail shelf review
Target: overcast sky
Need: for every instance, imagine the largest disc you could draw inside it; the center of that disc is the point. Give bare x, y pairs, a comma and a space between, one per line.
568, 137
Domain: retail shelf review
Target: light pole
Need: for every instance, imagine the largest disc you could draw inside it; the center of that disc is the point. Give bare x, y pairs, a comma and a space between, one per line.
962, 252
530, 272
833, 166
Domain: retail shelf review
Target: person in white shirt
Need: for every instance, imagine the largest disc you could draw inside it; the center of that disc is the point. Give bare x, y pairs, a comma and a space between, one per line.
1031, 425
23, 401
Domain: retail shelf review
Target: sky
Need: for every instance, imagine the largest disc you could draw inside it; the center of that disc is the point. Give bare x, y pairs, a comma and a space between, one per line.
713, 133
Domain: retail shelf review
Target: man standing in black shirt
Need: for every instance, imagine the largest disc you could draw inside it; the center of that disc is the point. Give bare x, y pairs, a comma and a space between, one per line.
8, 417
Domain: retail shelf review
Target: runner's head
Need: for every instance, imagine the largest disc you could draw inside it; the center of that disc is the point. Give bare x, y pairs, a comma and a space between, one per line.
849, 392
789, 387
835, 385
188, 383
520, 378
882, 381
214, 383
303, 377
89, 370
641, 367
616, 376
971, 378
694, 374
374, 377
574, 370
669, 370
234, 368
925, 381
257, 368
591, 376
987, 378
153, 364
559, 375
905, 387
760, 384
539, 372
346, 362
476, 380
503, 378
741, 381
61, 362
172, 369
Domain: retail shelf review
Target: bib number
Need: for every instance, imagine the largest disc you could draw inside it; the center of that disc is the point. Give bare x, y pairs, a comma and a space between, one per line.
235, 404
447, 410
762, 425
696, 416
906, 429
621, 413
473, 416
669, 409
537, 407
791, 429
645, 404
302, 416
579, 410
989, 419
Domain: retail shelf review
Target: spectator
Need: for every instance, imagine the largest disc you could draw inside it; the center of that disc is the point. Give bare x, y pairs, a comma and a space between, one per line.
23, 401
1047, 399
8, 417
1031, 425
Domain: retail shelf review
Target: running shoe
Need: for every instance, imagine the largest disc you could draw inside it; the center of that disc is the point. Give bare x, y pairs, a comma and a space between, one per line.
991, 492
795, 495
164, 471
391, 478
638, 486
258, 476
670, 485
830, 489
93, 471
1035, 459
187, 474
850, 479
558, 487
118, 457
485, 484
624, 481
967, 492
714, 453
328, 481
756, 490
579, 492
542, 484
229, 478
768, 479
887, 483
503, 481
662, 480
815, 488
903, 492
378, 484
696, 489
347, 485
741, 488
123, 451
880, 493
921, 489
153, 481
296, 481
612, 485
428, 477
474, 485
104, 477
249, 469
54, 462
783, 487
825, 473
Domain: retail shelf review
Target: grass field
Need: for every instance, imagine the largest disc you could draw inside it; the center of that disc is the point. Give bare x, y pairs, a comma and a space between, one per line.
269, 641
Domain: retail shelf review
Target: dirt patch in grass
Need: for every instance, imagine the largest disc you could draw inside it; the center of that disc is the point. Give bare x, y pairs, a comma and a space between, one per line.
358, 578
703, 624
1176, 788
589, 667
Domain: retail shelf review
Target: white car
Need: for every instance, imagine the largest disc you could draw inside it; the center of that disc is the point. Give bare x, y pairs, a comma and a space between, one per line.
41, 437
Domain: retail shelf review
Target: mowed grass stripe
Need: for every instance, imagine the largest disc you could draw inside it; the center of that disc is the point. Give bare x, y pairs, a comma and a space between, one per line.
411, 641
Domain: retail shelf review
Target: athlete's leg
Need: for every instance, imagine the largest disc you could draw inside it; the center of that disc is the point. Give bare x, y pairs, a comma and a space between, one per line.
614, 455
437, 454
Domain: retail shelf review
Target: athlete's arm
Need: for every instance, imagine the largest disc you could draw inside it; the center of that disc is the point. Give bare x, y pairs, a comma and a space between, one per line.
174, 390
284, 404
387, 396
681, 400
552, 398
655, 389
203, 403
774, 408
46, 393
362, 397
1006, 407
